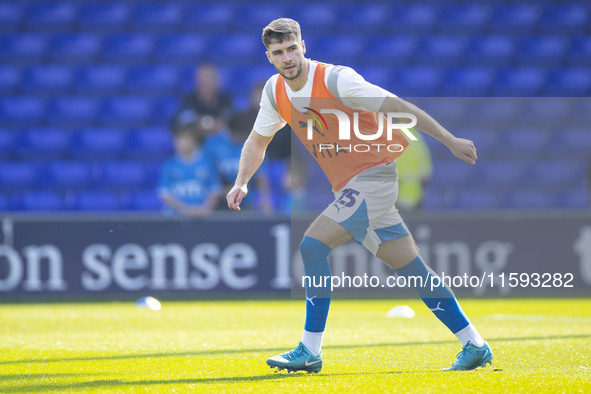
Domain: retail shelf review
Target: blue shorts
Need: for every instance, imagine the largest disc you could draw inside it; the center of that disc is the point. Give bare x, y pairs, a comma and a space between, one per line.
366, 207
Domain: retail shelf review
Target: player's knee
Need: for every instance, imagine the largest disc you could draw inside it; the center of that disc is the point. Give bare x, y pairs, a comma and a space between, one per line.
311, 248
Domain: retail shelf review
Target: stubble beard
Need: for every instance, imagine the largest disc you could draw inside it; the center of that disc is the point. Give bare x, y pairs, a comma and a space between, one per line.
299, 69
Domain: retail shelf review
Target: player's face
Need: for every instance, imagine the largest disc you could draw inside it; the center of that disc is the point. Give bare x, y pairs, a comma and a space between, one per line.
287, 57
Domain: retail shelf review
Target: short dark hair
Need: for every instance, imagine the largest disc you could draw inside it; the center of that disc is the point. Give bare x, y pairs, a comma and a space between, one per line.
281, 29
190, 130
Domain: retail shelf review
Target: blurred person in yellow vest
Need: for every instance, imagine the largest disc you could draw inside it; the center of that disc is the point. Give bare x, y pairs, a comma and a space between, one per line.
414, 170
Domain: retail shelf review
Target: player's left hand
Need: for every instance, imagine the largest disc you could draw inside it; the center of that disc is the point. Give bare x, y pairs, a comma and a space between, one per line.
464, 149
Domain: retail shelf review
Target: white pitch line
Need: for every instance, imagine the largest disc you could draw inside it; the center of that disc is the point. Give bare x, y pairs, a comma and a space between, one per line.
542, 318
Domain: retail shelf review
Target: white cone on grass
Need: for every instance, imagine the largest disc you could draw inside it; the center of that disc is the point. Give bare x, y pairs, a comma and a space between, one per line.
401, 311
148, 302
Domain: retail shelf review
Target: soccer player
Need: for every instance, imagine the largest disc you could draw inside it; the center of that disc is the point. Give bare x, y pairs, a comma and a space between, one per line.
364, 182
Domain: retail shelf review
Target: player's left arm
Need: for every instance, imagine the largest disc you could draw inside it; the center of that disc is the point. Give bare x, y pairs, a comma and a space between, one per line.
461, 148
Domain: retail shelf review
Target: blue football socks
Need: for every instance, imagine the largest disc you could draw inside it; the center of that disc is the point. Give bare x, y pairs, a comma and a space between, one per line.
315, 259
440, 299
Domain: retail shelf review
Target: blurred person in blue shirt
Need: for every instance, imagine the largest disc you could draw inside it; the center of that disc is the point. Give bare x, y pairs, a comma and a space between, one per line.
224, 149
189, 184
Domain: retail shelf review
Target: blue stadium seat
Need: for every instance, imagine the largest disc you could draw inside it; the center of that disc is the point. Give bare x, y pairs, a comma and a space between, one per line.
99, 144
235, 49
572, 143
51, 16
72, 111
43, 144
128, 48
317, 19
164, 110
104, 16
481, 199
127, 111
252, 18
99, 201
438, 199
146, 200
495, 113
23, 111
11, 16
485, 141
101, 80
452, 173
519, 82
6, 204
515, 18
548, 113
524, 143
569, 82
244, 79
531, 199
543, 51
74, 175
452, 112
440, 50
577, 198
17, 175
503, 174
417, 81
490, 50
208, 18
8, 143
343, 49
153, 80
150, 144
580, 52
75, 48
156, 17
10, 79
123, 175
377, 75
364, 19
42, 201
25, 48
557, 174
565, 19
185, 49
42, 80
464, 19
413, 19
394, 51
469, 81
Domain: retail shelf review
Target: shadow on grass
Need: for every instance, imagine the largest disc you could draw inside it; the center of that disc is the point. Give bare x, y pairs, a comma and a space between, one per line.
272, 350
111, 383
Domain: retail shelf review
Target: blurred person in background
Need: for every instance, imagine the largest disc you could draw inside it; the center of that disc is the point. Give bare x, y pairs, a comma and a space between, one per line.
223, 150
212, 105
294, 199
414, 170
189, 184
280, 147
277, 157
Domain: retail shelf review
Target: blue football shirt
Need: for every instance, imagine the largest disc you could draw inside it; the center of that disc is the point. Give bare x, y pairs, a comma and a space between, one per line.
191, 182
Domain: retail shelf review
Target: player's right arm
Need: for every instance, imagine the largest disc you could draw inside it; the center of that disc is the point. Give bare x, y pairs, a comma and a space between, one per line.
267, 123
253, 154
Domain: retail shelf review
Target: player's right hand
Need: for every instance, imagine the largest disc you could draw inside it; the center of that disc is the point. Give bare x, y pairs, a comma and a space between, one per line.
235, 196
464, 149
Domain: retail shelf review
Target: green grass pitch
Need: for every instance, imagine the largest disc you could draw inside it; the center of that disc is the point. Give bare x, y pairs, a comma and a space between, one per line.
540, 345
